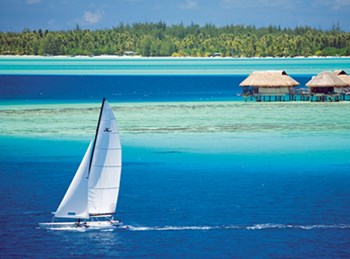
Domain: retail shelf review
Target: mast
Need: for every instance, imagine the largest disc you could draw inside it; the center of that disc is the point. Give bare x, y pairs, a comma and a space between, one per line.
96, 134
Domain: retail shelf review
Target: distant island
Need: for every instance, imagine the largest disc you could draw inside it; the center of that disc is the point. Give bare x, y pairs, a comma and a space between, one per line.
159, 39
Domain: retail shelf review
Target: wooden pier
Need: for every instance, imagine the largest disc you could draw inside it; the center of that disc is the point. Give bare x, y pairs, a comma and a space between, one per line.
296, 98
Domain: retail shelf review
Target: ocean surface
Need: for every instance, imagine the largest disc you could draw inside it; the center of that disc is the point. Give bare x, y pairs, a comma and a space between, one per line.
205, 175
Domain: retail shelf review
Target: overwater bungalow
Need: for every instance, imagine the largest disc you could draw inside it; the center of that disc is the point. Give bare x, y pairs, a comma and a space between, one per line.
327, 86
346, 78
268, 86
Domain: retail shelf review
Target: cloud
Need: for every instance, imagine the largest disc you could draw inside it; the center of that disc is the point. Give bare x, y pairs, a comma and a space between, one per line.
33, 1
92, 18
189, 4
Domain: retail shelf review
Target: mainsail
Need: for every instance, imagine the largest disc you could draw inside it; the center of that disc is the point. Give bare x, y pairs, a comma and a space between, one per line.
105, 168
95, 187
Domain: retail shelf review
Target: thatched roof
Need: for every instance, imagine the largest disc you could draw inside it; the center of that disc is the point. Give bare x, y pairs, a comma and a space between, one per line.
269, 79
326, 79
340, 72
343, 76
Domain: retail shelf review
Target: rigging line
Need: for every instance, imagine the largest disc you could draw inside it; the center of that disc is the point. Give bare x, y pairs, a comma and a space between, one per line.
96, 134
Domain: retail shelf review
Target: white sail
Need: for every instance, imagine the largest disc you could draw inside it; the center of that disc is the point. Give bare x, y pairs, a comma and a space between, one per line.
75, 202
105, 170
95, 186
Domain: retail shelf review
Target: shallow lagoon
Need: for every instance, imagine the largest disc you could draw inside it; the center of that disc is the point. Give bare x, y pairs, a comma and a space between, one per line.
164, 66
78, 119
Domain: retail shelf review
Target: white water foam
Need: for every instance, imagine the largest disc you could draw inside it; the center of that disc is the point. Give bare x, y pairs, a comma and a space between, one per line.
80, 229
73, 229
266, 226
169, 228
237, 227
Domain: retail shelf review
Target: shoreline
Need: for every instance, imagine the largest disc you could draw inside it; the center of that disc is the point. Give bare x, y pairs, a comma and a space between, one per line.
109, 57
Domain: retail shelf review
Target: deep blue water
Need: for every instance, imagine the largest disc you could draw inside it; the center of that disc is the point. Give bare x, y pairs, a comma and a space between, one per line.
272, 200
180, 204
124, 88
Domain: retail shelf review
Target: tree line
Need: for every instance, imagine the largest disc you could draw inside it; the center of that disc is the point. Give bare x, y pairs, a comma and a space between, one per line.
159, 39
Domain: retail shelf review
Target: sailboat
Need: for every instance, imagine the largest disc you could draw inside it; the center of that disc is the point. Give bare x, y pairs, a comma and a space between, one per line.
91, 199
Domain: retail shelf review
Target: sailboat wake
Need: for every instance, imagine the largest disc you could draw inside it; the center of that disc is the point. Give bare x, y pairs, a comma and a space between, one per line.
267, 226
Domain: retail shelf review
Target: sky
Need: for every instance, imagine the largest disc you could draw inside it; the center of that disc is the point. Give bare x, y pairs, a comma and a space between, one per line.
17, 15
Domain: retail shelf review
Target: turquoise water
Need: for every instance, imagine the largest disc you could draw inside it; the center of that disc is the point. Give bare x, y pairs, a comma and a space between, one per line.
214, 179
164, 66
206, 179
78, 120
269, 132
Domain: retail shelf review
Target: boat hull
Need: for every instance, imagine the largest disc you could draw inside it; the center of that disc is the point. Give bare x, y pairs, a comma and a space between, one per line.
110, 224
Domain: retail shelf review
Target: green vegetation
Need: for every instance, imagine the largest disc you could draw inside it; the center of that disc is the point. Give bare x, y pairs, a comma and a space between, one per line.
158, 39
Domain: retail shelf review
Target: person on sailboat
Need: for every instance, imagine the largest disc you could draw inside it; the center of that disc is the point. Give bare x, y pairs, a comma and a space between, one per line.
77, 224
85, 225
